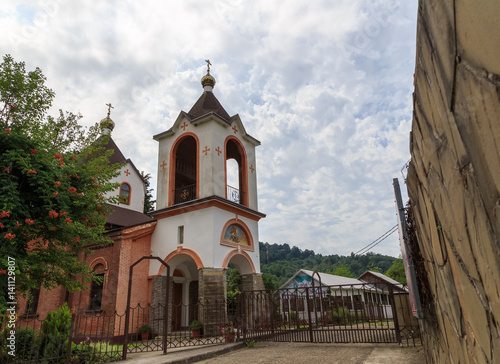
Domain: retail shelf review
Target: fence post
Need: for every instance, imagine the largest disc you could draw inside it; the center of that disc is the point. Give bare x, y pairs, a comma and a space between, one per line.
71, 326
311, 336
395, 316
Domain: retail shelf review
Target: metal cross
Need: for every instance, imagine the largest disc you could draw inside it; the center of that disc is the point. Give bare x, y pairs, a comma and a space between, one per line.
208, 65
109, 108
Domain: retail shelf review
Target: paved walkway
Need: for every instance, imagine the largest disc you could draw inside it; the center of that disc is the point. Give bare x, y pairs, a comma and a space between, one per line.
275, 353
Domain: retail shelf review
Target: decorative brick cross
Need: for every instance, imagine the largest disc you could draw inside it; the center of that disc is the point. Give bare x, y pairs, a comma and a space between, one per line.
184, 126
235, 130
127, 172
207, 149
251, 168
163, 165
218, 151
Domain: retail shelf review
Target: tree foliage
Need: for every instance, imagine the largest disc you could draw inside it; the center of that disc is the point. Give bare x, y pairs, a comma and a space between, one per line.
149, 203
54, 176
279, 262
397, 271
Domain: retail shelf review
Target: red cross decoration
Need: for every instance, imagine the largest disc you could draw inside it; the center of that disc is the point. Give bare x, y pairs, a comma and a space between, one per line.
207, 149
184, 126
235, 130
251, 168
163, 165
218, 151
127, 172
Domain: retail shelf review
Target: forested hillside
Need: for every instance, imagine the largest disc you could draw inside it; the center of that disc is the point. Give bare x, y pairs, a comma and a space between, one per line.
279, 262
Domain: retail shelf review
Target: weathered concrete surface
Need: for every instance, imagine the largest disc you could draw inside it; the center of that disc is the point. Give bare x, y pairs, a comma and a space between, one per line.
275, 353
454, 177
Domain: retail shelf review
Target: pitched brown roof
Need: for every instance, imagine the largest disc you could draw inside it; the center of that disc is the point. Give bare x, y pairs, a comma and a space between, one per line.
206, 104
122, 217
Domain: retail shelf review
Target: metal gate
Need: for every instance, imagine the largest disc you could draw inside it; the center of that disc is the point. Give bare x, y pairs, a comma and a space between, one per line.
359, 313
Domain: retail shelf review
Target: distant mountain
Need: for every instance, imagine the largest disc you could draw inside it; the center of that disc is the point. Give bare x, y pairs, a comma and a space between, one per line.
278, 262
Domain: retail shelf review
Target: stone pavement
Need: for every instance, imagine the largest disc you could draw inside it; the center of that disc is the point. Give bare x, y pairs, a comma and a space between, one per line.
275, 353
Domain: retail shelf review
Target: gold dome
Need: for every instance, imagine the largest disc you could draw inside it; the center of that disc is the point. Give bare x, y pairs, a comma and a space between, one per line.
208, 80
107, 123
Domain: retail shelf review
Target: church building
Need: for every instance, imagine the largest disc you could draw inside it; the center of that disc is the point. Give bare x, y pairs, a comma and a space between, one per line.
206, 218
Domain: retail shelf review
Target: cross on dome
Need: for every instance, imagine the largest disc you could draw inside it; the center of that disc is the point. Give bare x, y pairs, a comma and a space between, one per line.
208, 82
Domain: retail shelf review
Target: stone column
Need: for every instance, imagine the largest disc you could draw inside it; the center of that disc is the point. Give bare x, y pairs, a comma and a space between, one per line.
252, 282
256, 307
212, 299
158, 297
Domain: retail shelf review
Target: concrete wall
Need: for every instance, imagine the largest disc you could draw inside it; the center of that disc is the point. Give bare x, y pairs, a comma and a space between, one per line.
454, 178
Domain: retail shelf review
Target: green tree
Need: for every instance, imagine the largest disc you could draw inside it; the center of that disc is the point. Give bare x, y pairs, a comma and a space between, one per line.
54, 179
343, 270
397, 271
149, 203
374, 268
233, 282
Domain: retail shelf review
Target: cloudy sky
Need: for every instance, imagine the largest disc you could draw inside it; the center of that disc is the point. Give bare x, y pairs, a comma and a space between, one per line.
324, 85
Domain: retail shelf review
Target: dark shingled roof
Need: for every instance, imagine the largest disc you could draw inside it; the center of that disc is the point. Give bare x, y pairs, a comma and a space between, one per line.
117, 156
121, 217
208, 103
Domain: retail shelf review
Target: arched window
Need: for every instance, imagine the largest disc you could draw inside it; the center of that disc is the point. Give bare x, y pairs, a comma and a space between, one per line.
124, 196
96, 288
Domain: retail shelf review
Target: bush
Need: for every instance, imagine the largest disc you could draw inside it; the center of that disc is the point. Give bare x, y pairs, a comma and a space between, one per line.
27, 343
55, 334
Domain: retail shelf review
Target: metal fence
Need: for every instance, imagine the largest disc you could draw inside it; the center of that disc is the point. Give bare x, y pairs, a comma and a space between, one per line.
367, 313
362, 313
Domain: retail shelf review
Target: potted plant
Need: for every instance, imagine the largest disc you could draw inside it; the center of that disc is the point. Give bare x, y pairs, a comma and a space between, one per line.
196, 327
144, 330
229, 332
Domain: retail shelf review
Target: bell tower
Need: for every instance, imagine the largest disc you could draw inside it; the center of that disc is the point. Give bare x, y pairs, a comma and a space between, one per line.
206, 201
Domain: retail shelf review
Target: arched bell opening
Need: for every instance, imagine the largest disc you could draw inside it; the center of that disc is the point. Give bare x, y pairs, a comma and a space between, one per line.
184, 179
236, 172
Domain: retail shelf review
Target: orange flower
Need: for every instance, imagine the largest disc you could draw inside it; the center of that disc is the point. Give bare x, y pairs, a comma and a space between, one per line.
57, 156
61, 162
18, 224
31, 171
56, 194
9, 236
68, 220
53, 214
72, 189
57, 184
7, 131
64, 213
1, 226
4, 214
29, 222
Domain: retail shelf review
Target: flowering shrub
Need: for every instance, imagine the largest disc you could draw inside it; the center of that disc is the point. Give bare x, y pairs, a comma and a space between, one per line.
228, 329
52, 198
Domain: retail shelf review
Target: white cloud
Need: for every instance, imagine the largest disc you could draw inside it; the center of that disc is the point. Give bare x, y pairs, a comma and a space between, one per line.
325, 86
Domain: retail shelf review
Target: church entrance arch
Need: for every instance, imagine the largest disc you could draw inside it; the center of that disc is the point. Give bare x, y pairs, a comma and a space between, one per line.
184, 277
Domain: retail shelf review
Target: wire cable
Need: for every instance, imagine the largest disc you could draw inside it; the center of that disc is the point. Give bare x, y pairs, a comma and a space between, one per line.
377, 241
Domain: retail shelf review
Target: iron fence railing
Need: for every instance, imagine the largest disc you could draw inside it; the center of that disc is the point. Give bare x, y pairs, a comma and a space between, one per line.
233, 194
362, 313
184, 194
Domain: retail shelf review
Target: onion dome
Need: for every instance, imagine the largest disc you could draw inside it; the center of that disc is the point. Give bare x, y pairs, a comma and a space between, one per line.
208, 82
107, 123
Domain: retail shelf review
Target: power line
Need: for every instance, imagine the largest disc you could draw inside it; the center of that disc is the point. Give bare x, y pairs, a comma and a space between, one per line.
377, 241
